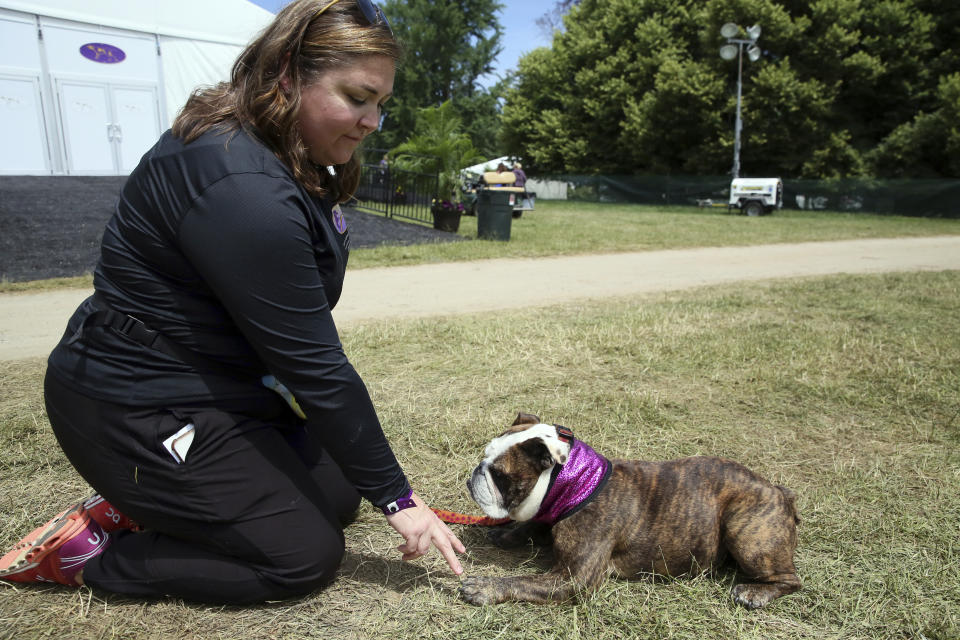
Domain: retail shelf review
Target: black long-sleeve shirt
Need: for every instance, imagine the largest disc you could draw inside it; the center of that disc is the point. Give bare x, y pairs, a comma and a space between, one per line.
215, 245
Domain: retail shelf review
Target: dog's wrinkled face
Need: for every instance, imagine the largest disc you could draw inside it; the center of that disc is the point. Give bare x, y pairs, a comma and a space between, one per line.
515, 473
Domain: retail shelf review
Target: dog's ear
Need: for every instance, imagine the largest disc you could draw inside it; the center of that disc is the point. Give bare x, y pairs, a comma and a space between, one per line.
538, 451
544, 455
526, 418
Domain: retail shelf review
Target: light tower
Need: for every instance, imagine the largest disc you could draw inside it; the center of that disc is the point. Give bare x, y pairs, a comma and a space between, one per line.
734, 49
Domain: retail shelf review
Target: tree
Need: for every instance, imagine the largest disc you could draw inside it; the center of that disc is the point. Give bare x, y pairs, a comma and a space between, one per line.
449, 45
635, 86
553, 20
579, 89
928, 144
684, 92
440, 146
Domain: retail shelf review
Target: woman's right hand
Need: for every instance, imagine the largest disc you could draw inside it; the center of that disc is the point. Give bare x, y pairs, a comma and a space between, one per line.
421, 529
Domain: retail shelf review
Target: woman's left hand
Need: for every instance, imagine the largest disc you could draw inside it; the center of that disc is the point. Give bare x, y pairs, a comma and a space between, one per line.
421, 529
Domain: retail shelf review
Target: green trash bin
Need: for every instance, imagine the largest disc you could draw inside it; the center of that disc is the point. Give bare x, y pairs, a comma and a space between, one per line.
494, 215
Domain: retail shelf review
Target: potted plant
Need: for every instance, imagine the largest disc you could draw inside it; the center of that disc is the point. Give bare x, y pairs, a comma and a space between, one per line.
440, 146
446, 214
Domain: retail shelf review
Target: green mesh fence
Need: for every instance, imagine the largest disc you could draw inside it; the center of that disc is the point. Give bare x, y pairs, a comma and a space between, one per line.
930, 198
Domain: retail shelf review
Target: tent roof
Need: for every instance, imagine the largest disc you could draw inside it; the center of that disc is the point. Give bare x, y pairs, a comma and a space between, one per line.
226, 21
480, 168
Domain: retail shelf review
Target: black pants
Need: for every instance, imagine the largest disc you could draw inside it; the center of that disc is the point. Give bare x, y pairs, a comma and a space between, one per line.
253, 513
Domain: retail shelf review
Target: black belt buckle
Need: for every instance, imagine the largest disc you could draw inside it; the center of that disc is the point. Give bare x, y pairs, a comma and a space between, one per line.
127, 324
139, 332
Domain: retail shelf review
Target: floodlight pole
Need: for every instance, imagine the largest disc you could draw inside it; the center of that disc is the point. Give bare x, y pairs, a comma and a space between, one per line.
738, 124
754, 32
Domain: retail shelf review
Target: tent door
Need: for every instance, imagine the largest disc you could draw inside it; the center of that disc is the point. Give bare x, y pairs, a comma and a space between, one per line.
137, 120
24, 148
85, 116
106, 128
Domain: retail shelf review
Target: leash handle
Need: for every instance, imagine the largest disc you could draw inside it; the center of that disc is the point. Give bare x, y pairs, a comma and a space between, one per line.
459, 518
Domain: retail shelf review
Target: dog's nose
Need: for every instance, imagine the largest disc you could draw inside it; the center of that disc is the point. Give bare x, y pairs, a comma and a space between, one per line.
478, 471
470, 482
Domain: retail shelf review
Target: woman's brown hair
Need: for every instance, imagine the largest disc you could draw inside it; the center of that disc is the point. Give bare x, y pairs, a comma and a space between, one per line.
302, 45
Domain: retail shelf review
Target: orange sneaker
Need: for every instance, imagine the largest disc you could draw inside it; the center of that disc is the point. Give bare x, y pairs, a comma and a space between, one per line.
56, 551
107, 516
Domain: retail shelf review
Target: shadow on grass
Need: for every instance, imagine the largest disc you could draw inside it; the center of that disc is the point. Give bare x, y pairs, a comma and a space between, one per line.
482, 556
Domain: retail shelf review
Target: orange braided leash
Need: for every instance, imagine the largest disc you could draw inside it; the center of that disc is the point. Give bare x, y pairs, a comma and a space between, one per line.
460, 518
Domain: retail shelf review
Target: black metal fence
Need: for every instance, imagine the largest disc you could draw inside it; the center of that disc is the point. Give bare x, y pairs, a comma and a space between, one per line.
395, 192
928, 198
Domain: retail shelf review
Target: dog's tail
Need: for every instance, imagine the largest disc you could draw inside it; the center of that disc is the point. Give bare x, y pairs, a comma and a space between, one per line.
791, 499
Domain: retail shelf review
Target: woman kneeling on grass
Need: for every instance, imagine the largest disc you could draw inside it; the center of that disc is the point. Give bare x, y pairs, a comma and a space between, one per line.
214, 290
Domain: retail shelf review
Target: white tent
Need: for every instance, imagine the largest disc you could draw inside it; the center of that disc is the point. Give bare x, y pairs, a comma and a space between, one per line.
489, 165
546, 189
86, 87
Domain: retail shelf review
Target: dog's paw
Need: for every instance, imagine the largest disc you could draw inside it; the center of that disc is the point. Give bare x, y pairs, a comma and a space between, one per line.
519, 534
505, 537
753, 596
479, 590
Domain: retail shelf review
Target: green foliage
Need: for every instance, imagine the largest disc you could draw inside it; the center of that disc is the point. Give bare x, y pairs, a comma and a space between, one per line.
439, 145
449, 45
843, 88
795, 105
685, 92
532, 123
926, 144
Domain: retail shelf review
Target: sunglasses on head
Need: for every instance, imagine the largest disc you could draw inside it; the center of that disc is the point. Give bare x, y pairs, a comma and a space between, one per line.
371, 12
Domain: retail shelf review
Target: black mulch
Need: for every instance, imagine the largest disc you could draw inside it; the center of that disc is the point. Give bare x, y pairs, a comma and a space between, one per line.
50, 226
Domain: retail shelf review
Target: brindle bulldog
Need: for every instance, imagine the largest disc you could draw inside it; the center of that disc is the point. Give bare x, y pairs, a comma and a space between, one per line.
629, 517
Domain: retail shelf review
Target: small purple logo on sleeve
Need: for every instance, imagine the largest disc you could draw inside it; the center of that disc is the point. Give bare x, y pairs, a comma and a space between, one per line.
104, 53
339, 222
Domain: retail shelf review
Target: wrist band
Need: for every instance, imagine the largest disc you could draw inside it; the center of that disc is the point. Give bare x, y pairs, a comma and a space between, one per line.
399, 504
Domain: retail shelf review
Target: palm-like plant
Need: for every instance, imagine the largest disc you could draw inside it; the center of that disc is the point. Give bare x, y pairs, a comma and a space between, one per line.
442, 147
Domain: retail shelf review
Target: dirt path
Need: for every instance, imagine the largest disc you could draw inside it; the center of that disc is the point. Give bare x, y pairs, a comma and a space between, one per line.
31, 324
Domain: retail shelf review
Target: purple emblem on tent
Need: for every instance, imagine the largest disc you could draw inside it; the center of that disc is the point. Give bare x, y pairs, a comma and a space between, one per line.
100, 52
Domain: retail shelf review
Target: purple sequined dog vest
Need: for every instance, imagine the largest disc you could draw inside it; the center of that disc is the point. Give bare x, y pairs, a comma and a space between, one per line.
574, 485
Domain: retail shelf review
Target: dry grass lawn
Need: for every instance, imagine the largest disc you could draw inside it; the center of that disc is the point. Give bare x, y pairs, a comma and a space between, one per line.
843, 388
